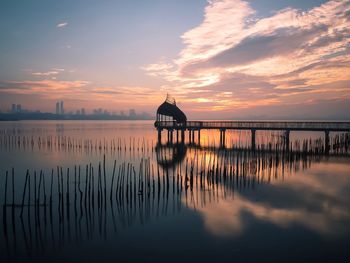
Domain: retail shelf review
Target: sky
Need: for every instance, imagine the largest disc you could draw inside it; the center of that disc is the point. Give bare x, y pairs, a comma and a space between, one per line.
220, 59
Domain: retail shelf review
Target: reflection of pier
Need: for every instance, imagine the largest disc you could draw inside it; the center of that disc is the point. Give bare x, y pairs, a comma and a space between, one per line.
170, 155
172, 119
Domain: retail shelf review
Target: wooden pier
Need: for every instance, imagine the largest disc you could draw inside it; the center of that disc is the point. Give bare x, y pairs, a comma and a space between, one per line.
286, 126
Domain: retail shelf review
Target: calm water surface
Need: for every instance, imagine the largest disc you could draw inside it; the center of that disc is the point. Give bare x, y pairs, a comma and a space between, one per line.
167, 203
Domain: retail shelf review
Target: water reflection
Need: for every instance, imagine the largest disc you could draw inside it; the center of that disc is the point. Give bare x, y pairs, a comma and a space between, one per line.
309, 203
217, 185
169, 156
229, 191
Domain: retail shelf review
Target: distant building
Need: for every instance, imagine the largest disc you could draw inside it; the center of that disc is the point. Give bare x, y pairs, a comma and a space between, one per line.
57, 108
82, 111
77, 112
13, 110
19, 108
61, 108
98, 111
132, 113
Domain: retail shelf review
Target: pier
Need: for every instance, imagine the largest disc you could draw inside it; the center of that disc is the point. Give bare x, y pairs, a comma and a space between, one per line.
173, 120
194, 128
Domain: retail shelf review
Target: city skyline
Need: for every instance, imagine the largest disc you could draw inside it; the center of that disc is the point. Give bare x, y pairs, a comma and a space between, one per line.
229, 58
60, 110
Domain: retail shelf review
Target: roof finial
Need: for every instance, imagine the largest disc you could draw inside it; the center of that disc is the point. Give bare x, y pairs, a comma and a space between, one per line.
170, 99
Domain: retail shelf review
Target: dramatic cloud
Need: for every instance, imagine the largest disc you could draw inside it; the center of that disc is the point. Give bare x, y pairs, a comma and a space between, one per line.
291, 56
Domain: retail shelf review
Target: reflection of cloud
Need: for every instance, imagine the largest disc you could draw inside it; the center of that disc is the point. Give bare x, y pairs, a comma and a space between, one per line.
290, 56
323, 197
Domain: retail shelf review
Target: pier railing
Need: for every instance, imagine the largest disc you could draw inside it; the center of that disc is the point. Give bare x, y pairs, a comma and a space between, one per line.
258, 125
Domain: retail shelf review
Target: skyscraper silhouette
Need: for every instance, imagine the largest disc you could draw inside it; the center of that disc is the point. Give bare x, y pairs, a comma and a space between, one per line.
57, 108
62, 109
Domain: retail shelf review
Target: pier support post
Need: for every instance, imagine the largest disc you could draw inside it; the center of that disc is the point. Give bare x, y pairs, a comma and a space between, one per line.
253, 138
286, 139
326, 142
199, 137
222, 138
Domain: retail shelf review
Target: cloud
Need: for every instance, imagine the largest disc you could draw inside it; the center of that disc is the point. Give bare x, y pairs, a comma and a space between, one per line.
84, 91
47, 73
62, 25
288, 57
44, 88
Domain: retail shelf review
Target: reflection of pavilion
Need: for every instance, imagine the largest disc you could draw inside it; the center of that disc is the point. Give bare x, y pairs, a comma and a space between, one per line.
169, 156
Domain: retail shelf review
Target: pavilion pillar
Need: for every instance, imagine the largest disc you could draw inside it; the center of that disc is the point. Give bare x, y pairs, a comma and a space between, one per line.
182, 136
177, 136
189, 136
159, 135
193, 136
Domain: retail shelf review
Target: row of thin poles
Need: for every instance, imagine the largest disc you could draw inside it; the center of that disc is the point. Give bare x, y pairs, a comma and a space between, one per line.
339, 143
71, 143
133, 194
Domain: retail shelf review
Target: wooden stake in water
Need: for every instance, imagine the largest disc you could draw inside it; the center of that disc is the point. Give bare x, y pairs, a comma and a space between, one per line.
13, 187
24, 192
104, 178
115, 162
5, 199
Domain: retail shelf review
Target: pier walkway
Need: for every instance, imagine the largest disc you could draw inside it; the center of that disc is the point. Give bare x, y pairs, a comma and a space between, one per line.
253, 126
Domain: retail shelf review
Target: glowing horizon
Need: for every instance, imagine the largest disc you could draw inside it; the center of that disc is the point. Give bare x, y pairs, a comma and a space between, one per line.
219, 59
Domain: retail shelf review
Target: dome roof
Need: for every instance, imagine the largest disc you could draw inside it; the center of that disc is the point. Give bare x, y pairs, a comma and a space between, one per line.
169, 108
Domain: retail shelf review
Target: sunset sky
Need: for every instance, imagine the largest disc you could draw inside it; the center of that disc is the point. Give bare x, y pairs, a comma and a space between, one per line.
256, 59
